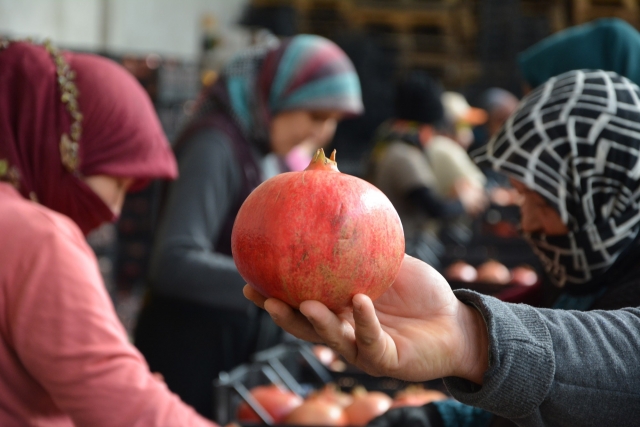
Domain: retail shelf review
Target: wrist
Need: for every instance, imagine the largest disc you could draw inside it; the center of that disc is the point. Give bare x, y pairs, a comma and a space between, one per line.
473, 349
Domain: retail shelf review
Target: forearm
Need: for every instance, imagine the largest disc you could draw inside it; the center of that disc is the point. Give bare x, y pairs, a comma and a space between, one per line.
546, 363
184, 262
198, 275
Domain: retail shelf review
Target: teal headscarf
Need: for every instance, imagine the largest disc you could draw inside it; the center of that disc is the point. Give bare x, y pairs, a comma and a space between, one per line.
606, 44
305, 72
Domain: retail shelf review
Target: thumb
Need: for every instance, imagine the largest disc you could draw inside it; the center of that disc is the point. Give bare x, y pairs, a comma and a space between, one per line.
372, 342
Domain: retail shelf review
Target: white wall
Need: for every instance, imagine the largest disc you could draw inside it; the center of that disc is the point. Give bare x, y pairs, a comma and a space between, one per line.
167, 27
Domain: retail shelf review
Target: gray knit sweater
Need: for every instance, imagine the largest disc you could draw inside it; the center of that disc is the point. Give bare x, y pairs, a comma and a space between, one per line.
556, 367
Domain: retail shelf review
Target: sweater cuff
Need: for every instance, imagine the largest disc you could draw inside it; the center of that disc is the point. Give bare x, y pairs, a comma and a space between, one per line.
521, 359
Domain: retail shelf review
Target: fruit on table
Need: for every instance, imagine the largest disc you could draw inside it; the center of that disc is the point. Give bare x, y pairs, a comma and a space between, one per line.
524, 276
461, 271
317, 412
318, 235
366, 406
416, 396
277, 402
494, 272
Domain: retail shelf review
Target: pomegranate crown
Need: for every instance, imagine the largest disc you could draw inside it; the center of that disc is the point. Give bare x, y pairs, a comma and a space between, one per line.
321, 162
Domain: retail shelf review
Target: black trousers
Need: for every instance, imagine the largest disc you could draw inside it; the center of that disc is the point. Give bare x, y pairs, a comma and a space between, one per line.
190, 344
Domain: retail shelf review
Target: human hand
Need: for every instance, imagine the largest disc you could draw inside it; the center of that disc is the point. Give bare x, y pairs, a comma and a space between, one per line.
416, 331
473, 198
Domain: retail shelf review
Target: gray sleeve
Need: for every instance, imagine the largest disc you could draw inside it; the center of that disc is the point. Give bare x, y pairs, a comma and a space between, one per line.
183, 262
557, 367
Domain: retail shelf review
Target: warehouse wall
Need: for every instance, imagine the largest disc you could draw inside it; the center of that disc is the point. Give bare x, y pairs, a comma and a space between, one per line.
168, 27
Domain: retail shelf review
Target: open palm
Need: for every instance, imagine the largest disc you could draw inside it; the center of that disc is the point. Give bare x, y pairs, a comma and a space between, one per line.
416, 331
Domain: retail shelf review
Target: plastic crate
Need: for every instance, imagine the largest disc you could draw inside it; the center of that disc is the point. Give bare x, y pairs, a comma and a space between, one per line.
292, 366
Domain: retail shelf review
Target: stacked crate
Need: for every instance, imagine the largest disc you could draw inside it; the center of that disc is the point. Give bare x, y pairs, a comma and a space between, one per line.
588, 10
437, 36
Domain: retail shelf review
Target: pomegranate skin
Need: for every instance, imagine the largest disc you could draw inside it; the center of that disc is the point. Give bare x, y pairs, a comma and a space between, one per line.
318, 235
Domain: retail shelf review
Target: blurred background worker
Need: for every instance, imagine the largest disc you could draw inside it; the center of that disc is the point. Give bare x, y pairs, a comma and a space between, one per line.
424, 174
268, 100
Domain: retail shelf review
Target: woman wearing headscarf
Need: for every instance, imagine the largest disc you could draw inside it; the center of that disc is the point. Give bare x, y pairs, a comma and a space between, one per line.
196, 322
76, 132
570, 150
608, 44
573, 150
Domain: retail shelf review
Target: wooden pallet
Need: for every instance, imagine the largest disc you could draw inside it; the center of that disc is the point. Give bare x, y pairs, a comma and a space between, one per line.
454, 71
554, 10
588, 10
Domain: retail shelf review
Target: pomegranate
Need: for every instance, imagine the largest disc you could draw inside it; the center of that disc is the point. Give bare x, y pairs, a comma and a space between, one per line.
461, 271
277, 402
494, 272
324, 354
332, 393
416, 396
524, 276
366, 406
317, 412
338, 366
318, 235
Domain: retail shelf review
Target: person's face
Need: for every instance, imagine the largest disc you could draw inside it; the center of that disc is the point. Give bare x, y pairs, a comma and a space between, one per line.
536, 215
290, 128
499, 116
110, 189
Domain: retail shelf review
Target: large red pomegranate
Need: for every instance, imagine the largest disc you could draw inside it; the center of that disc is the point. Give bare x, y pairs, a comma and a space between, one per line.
318, 235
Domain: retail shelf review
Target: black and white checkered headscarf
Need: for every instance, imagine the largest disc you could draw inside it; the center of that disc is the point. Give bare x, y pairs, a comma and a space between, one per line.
576, 141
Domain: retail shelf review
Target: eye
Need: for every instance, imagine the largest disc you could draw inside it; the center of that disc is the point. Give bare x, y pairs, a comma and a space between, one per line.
319, 116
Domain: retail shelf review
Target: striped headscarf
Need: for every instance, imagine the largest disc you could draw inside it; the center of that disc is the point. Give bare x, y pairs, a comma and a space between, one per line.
305, 72
576, 141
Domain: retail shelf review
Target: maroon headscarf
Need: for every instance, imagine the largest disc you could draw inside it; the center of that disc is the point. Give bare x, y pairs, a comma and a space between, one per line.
120, 132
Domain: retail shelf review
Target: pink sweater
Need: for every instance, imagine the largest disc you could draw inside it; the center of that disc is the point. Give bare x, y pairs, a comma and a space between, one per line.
64, 356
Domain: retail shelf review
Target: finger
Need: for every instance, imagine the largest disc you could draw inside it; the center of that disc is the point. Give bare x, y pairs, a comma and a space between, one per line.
291, 320
253, 296
335, 332
372, 342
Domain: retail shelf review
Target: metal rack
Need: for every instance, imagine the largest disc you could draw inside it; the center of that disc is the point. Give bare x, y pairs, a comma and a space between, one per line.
267, 366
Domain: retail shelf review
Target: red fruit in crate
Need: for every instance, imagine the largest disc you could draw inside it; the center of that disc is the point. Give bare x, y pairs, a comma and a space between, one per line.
277, 402
524, 276
332, 393
416, 396
461, 271
318, 235
317, 412
366, 406
494, 272
324, 354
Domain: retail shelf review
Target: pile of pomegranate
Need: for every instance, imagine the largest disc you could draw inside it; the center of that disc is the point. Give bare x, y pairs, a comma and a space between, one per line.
318, 235
331, 407
329, 358
491, 272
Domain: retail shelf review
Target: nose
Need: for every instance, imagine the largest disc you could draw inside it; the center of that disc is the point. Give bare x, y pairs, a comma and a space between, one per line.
318, 129
530, 218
